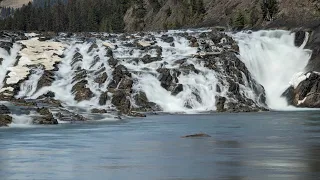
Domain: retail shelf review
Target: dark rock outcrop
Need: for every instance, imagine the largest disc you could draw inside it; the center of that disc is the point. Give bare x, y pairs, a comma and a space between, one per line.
306, 94
143, 103
46, 79
5, 120
121, 100
4, 109
81, 91
98, 111
103, 98
65, 115
101, 78
220, 102
121, 74
45, 118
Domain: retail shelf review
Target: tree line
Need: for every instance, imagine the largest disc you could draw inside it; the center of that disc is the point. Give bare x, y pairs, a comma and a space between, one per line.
68, 15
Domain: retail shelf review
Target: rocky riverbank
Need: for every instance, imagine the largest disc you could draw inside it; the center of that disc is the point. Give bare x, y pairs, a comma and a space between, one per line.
58, 77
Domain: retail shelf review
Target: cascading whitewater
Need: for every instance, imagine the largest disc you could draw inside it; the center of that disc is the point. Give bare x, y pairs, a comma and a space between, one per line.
273, 60
176, 71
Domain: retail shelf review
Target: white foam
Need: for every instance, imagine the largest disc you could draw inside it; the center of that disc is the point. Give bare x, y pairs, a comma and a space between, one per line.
273, 60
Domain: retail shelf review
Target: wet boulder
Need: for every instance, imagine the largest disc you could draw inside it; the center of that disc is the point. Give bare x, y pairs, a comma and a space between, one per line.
98, 111
92, 47
177, 90
168, 78
4, 109
5, 120
121, 100
6, 46
65, 115
306, 93
45, 118
220, 102
121, 75
79, 75
77, 57
299, 37
81, 91
112, 62
148, 59
104, 97
100, 79
46, 79
144, 105
167, 39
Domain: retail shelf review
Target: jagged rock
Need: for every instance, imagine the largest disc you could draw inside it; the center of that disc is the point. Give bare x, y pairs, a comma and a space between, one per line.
188, 68
143, 103
167, 78
77, 57
220, 101
45, 118
121, 101
109, 53
82, 92
101, 78
194, 42
5, 120
227, 65
289, 94
299, 38
96, 59
177, 90
6, 46
98, 111
46, 79
49, 94
103, 98
307, 93
159, 51
125, 83
80, 75
4, 110
196, 135
92, 47
112, 62
167, 39
148, 59
68, 116
121, 73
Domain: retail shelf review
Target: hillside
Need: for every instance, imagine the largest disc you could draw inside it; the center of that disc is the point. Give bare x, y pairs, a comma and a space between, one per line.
162, 14
14, 3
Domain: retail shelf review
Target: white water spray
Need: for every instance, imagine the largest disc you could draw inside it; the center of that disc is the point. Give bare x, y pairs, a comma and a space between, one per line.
273, 60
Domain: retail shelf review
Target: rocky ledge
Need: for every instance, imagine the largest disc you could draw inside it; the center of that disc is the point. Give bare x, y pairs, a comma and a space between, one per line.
61, 76
305, 91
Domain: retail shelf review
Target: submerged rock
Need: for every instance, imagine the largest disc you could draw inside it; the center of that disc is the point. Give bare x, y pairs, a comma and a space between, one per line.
98, 111
196, 135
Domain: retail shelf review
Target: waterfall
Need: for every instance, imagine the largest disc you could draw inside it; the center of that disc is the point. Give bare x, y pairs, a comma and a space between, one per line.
179, 71
273, 60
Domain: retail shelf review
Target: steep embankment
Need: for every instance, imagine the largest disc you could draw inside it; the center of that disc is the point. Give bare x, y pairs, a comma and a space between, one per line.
156, 14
